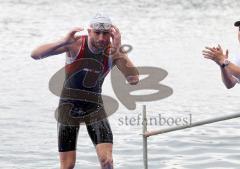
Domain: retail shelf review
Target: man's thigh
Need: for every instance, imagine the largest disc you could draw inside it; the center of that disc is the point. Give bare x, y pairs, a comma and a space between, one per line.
100, 132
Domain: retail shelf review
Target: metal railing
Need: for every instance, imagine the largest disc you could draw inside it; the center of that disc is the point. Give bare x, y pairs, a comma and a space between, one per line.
147, 134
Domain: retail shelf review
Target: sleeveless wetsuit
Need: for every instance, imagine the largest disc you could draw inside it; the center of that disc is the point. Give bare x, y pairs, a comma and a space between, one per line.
86, 72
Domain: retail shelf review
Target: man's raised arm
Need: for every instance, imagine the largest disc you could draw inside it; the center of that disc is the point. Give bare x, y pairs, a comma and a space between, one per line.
56, 48
228, 69
125, 65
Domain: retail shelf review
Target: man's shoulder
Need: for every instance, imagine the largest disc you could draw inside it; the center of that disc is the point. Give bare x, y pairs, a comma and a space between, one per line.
76, 45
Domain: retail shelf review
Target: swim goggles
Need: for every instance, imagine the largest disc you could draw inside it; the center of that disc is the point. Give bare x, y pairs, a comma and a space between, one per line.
101, 26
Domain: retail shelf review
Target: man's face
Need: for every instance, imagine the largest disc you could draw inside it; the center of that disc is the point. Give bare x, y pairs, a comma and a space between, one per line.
99, 39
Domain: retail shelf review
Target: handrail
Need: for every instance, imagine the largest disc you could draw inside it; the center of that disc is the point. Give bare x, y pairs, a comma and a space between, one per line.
147, 134
199, 123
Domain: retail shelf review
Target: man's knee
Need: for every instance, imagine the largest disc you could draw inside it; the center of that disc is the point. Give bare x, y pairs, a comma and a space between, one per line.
104, 151
67, 159
67, 165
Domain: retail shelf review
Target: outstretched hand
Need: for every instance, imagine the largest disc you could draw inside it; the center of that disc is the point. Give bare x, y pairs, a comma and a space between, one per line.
71, 37
116, 38
215, 53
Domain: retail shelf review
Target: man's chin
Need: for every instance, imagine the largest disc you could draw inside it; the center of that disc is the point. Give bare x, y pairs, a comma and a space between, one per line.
101, 47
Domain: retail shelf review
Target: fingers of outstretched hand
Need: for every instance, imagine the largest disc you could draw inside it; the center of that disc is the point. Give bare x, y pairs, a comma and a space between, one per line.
115, 35
115, 28
207, 56
115, 31
220, 48
227, 53
211, 49
112, 33
208, 52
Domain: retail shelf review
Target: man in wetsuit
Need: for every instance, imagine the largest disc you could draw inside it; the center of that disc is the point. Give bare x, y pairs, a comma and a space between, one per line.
98, 52
230, 71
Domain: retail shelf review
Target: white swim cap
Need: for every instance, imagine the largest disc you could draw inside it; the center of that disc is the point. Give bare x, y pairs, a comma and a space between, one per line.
101, 22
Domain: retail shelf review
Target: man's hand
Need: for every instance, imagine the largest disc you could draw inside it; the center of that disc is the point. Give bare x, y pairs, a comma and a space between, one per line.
216, 54
116, 42
133, 80
71, 37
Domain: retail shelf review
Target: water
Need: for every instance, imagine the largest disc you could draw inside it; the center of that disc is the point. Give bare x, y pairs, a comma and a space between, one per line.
167, 34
